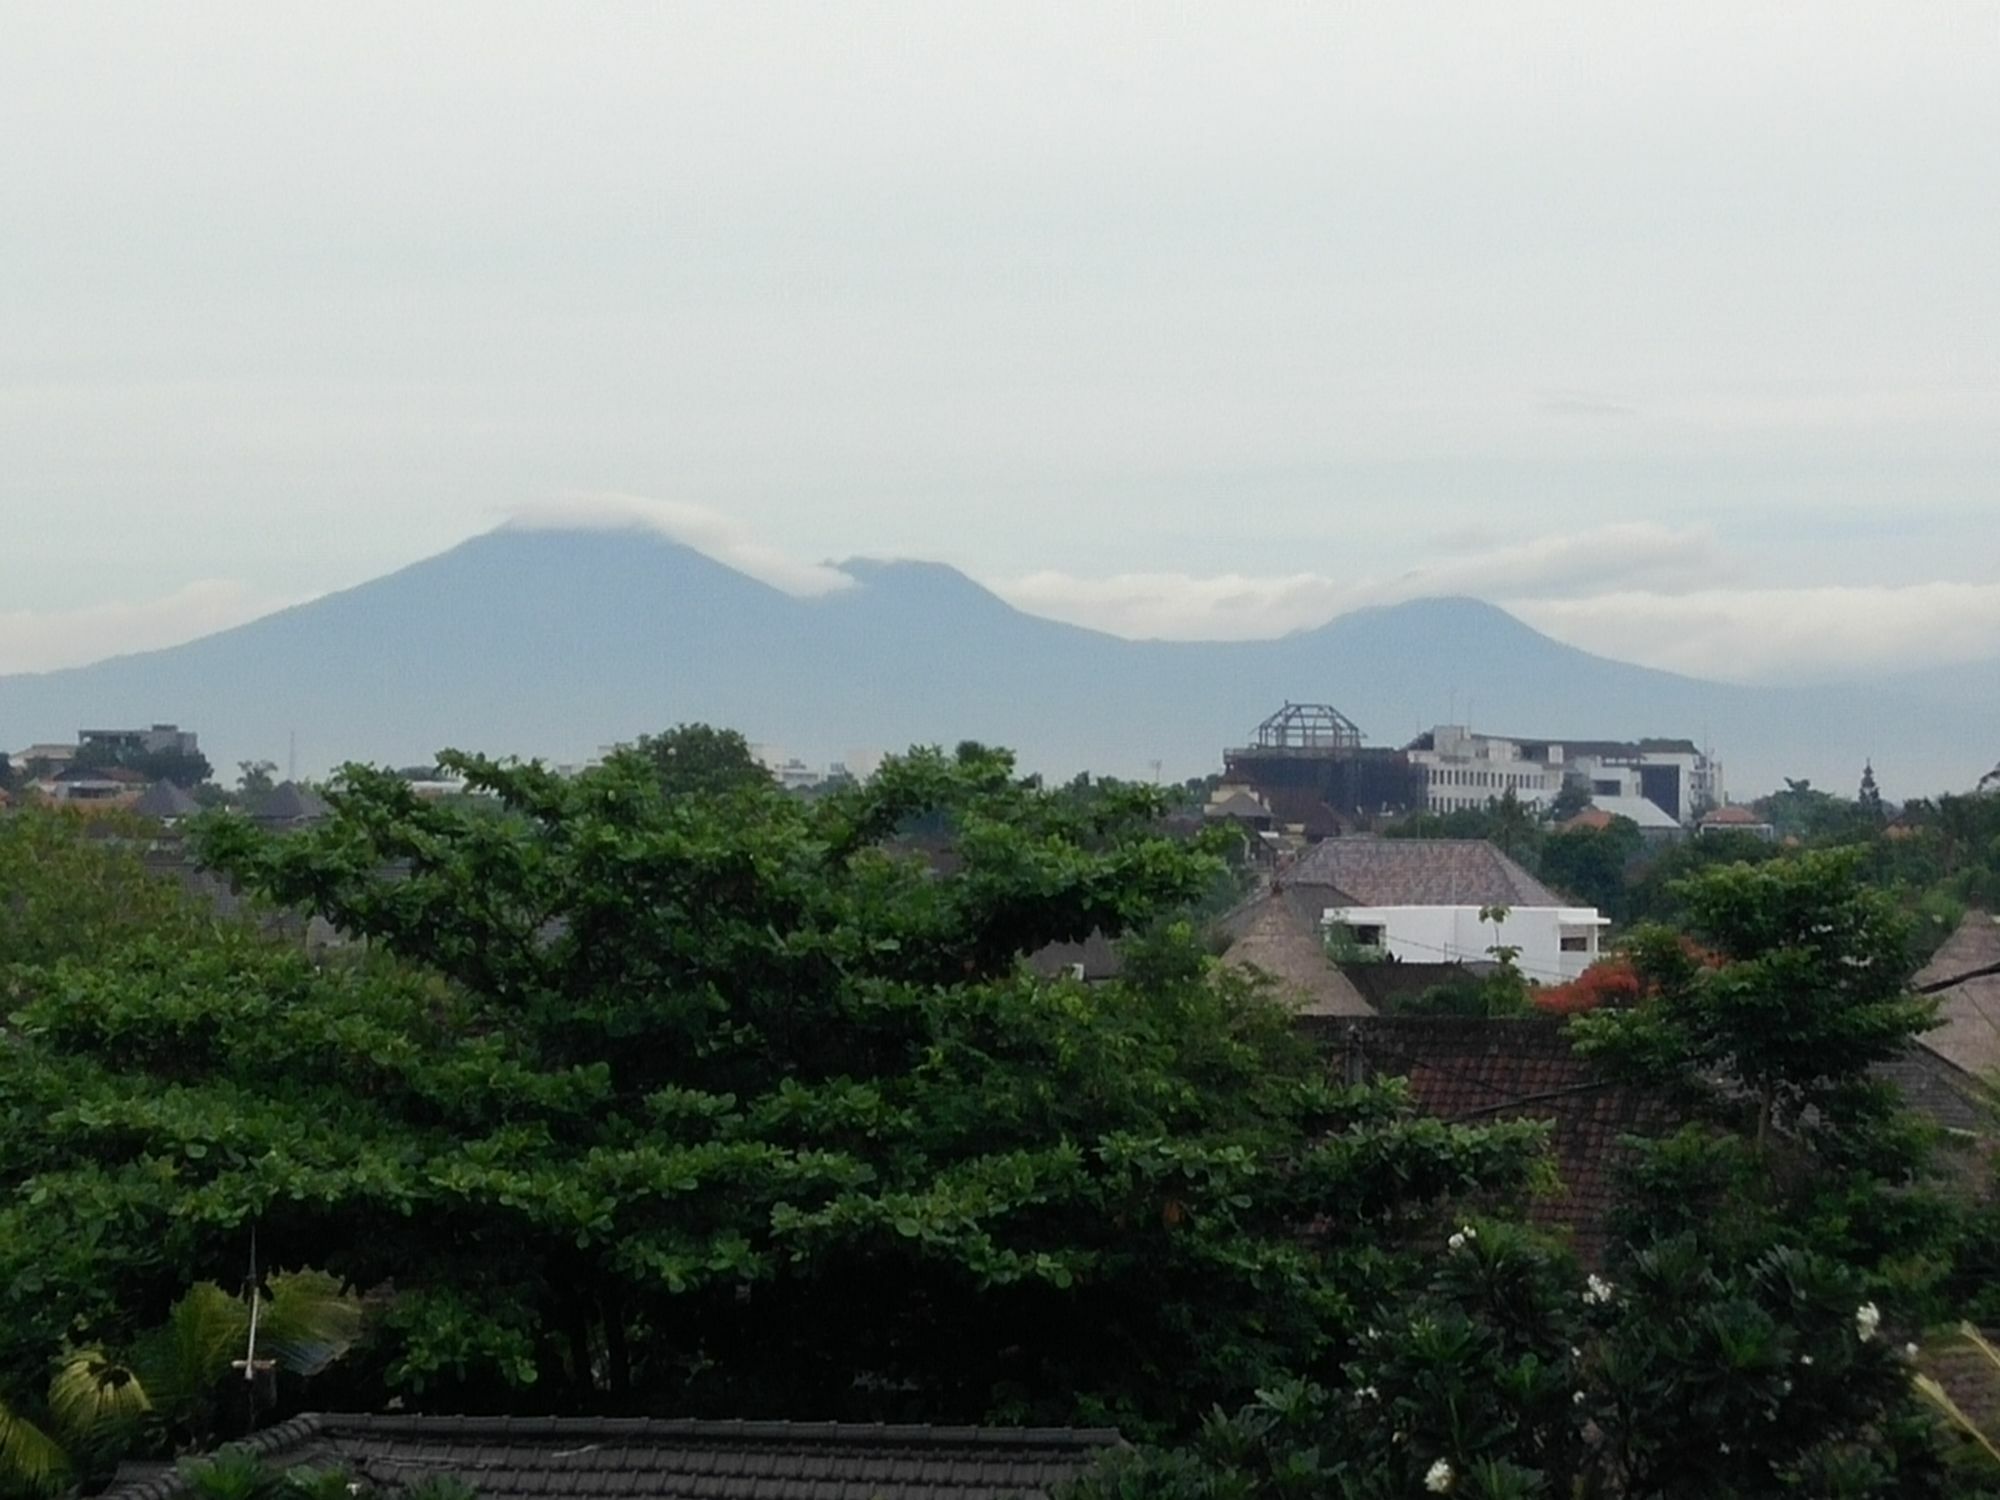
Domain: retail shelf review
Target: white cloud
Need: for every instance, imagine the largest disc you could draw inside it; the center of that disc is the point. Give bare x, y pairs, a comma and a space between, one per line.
1236, 606
1762, 635
1637, 592
707, 531
43, 640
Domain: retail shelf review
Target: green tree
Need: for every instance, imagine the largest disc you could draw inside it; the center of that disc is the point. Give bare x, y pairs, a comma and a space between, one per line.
1801, 811
1738, 1342
1809, 992
1591, 864
68, 891
698, 759
724, 1104
1573, 798
1869, 798
256, 777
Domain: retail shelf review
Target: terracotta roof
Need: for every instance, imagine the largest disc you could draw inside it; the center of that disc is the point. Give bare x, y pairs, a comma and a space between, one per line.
1419, 872
1590, 817
1481, 1071
1968, 999
1732, 816
642, 1458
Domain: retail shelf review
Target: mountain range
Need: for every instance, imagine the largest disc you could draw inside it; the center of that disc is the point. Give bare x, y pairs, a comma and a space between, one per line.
554, 643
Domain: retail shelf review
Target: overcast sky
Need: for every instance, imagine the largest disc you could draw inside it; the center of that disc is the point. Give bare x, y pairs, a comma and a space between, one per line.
1674, 328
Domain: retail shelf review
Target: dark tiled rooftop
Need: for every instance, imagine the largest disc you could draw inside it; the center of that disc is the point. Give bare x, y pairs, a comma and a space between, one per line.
503, 1457
1418, 872
1481, 1071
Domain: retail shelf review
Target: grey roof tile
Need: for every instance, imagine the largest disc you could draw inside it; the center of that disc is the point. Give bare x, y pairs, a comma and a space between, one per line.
1417, 872
677, 1459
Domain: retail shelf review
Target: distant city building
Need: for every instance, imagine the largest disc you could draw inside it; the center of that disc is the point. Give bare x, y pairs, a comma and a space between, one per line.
158, 739
1310, 769
104, 786
1735, 819
1462, 769
43, 759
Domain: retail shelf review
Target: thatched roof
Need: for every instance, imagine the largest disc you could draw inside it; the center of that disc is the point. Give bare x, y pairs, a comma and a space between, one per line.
1272, 937
1965, 976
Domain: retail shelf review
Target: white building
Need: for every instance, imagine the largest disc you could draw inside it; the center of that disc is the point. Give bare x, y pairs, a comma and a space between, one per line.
1467, 770
1556, 943
1419, 900
1463, 769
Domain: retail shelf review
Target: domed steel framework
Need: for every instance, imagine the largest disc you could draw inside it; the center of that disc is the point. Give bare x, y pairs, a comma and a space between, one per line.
1310, 728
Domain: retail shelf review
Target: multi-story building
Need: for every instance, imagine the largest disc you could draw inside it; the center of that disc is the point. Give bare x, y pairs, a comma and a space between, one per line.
158, 739
1464, 769
1309, 766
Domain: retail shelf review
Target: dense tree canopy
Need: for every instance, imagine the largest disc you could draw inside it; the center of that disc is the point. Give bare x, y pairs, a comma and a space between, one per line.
718, 1102
666, 1092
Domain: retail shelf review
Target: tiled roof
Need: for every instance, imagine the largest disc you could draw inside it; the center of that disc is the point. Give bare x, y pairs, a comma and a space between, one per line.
1481, 1072
1732, 816
1419, 872
1962, 974
288, 802
1097, 953
647, 1458
1940, 1090
165, 800
1641, 810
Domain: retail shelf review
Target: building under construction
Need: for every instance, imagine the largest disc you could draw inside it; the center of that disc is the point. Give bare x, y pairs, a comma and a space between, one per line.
1310, 767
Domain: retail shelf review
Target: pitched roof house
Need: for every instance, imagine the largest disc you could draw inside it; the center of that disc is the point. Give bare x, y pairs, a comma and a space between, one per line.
289, 805
644, 1458
1434, 901
166, 802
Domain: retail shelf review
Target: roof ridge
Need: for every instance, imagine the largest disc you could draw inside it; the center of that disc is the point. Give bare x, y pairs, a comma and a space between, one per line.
707, 1427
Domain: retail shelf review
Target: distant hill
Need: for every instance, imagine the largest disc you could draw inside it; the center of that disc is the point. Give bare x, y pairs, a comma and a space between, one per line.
554, 643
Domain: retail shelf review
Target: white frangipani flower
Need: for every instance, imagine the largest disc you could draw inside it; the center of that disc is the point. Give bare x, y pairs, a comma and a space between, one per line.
1597, 1290
1867, 1319
1438, 1478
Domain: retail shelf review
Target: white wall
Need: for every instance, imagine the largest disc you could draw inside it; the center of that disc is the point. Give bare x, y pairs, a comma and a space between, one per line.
1454, 934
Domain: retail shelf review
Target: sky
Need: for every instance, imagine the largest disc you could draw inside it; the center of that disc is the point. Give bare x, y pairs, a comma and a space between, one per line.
1674, 329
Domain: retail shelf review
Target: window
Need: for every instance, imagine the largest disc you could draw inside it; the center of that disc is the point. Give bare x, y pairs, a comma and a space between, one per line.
1367, 936
1575, 942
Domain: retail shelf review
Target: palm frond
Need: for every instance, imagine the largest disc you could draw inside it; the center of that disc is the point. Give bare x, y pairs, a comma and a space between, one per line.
91, 1392
179, 1362
29, 1457
311, 1319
